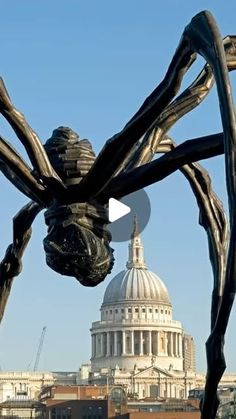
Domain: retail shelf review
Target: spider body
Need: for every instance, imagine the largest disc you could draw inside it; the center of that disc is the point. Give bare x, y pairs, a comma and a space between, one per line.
77, 243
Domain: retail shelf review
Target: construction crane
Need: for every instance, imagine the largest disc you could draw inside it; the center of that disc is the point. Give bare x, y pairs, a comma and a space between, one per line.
39, 348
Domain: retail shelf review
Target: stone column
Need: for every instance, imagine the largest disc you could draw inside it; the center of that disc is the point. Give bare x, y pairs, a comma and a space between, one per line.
108, 344
132, 341
141, 343
97, 346
92, 337
180, 346
115, 343
171, 344
157, 343
102, 345
123, 342
174, 343
166, 343
149, 342
177, 344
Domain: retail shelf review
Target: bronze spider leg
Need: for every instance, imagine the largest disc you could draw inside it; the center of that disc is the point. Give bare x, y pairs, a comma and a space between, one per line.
201, 27
147, 174
44, 171
11, 265
213, 219
212, 216
214, 53
155, 140
119, 145
20, 174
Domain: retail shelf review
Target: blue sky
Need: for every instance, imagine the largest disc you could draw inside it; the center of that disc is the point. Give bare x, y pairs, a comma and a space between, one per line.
89, 65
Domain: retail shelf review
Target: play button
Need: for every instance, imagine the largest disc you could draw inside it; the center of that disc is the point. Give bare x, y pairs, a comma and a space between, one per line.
117, 210
121, 214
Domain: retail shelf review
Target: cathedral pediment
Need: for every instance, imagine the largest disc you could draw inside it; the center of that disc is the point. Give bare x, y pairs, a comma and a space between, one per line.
153, 371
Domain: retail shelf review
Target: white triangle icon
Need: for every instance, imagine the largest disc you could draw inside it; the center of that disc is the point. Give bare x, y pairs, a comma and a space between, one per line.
116, 210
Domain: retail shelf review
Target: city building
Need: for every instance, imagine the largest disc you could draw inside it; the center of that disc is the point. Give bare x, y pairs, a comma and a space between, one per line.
23, 384
17, 408
137, 342
101, 402
189, 356
137, 346
85, 402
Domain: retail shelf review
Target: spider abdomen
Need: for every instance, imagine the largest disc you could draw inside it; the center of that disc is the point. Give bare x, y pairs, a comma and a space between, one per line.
71, 157
77, 243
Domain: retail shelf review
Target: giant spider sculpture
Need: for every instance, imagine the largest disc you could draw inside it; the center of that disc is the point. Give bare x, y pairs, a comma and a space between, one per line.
74, 186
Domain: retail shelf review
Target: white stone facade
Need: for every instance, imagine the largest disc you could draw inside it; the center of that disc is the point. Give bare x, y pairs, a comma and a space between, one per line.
23, 385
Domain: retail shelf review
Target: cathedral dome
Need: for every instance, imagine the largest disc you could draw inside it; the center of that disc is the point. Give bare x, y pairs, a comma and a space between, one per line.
137, 322
136, 284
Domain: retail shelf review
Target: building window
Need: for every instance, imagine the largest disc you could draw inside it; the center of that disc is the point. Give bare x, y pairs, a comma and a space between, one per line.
156, 310
110, 311
161, 311
122, 310
150, 310
136, 310
129, 310
116, 310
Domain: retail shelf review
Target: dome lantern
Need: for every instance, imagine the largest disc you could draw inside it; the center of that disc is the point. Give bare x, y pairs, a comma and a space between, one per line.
137, 283
136, 251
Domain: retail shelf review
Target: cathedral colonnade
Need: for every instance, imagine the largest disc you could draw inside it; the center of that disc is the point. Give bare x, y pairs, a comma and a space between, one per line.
137, 342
